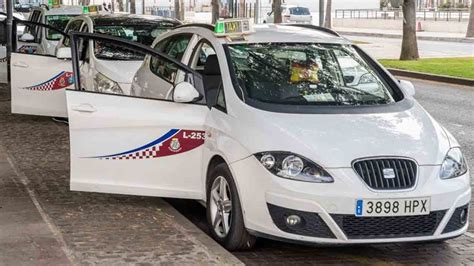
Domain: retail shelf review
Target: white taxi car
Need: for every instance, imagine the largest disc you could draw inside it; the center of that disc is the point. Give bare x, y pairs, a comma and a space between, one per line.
262, 127
42, 40
40, 90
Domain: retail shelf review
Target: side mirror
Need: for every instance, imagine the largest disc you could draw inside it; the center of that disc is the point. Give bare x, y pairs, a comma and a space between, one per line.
63, 53
407, 87
185, 92
27, 37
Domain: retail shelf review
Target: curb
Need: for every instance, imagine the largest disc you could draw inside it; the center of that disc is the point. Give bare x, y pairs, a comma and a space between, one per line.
432, 77
222, 255
399, 36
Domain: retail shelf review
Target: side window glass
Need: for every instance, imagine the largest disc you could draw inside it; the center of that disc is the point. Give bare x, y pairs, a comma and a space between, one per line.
175, 48
32, 31
205, 50
74, 26
205, 62
220, 103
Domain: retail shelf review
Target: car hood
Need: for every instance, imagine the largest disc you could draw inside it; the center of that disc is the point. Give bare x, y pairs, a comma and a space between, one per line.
336, 140
119, 71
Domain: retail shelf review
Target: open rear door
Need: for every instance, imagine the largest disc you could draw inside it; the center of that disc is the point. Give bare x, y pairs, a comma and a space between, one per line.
38, 81
130, 144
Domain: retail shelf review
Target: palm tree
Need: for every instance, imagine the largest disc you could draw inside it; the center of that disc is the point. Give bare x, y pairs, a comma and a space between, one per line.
328, 18
409, 42
470, 27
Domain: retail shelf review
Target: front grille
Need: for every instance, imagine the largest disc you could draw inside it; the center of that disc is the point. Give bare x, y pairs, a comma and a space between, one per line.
388, 227
311, 223
455, 222
372, 172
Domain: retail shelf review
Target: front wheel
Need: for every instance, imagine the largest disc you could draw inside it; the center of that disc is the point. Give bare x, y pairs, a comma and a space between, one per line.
224, 213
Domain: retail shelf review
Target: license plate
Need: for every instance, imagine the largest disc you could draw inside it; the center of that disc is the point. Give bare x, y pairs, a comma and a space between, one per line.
392, 207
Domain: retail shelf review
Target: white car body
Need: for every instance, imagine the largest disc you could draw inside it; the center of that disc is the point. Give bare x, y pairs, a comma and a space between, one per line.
40, 90
291, 14
154, 145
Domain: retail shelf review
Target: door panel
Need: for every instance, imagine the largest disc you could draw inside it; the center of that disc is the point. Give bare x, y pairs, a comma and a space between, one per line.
135, 146
38, 84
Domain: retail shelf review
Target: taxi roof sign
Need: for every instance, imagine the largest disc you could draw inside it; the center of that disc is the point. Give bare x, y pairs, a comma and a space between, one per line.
232, 27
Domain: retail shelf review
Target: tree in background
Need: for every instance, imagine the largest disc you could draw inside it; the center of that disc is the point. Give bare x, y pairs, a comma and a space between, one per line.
178, 10
409, 42
470, 27
215, 10
328, 18
132, 7
276, 7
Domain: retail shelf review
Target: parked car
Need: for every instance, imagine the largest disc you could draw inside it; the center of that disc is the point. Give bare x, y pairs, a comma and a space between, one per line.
263, 128
106, 68
291, 14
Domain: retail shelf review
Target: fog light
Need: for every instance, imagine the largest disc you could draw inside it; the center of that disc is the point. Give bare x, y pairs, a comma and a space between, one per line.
463, 216
293, 220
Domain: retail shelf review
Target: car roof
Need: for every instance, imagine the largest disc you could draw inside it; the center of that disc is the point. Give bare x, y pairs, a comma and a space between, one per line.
288, 34
63, 10
107, 19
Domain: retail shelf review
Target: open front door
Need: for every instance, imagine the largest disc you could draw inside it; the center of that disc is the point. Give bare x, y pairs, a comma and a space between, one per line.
38, 81
129, 144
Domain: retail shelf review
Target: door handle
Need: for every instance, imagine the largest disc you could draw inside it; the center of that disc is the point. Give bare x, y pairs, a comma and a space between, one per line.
84, 108
21, 64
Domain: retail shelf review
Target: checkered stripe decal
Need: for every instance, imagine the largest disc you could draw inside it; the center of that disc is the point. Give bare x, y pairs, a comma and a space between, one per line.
152, 152
60, 81
175, 141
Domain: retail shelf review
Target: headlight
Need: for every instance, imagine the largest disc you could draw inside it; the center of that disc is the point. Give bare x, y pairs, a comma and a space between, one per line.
367, 78
292, 166
454, 164
106, 85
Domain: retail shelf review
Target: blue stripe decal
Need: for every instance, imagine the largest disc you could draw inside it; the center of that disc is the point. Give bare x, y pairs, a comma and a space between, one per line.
49, 80
166, 136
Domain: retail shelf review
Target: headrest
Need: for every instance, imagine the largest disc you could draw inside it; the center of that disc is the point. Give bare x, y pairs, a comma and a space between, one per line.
212, 66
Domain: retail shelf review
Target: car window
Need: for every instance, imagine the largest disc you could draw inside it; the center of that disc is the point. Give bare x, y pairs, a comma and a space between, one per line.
299, 11
200, 57
175, 48
73, 26
308, 74
59, 22
144, 32
33, 29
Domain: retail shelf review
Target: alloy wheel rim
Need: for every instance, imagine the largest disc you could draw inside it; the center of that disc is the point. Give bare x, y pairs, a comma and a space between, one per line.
221, 206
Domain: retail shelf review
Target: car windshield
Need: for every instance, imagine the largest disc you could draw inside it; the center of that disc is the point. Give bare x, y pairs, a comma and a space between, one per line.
144, 33
299, 11
307, 74
59, 22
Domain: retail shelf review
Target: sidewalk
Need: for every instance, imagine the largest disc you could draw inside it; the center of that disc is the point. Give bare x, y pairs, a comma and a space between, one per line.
25, 238
43, 222
423, 35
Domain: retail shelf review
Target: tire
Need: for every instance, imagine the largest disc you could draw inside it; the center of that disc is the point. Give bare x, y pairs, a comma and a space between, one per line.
236, 236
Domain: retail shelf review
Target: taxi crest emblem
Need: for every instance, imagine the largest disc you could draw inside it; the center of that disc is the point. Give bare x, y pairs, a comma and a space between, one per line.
175, 146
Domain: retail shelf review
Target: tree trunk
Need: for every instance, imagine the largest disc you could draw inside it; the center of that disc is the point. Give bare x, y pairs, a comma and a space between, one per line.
470, 27
177, 10
277, 11
132, 7
409, 42
181, 10
328, 17
215, 10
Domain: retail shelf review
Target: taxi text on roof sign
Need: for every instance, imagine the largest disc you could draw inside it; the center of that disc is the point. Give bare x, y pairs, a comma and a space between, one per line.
232, 27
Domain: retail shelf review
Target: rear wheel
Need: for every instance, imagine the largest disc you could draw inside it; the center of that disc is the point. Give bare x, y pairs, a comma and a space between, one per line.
224, 212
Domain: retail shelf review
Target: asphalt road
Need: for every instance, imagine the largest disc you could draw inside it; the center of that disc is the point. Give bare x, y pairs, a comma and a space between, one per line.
389, 48
453, 107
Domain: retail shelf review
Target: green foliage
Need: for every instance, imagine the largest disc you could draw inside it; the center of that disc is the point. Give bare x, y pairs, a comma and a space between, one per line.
462, 67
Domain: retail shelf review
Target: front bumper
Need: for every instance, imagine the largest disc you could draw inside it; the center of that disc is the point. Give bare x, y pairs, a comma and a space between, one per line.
329, 208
